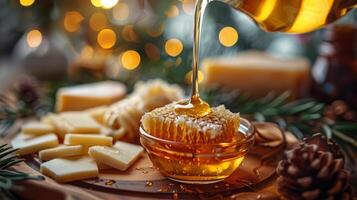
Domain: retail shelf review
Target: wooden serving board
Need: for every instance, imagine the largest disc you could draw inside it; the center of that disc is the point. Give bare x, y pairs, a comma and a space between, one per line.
143, 178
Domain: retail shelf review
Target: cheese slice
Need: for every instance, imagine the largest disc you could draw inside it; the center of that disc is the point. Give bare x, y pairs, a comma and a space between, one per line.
37, 128
121, 156
28, 144
72, 122
87, 140
70, 169
81, 97
79, 122
97, 113
60, 152
257, 74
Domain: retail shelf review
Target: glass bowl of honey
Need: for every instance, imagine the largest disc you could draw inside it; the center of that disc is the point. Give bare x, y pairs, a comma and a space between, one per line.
200, 163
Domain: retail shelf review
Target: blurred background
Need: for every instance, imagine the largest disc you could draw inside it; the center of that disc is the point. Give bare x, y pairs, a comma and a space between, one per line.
75, 41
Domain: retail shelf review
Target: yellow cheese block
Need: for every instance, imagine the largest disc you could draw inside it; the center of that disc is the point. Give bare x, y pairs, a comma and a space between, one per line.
78, 122
60, 152
28, 144
73, 122
258, 73
81, 97
97, 113
121, 156
37, 128
70, 169
87, 140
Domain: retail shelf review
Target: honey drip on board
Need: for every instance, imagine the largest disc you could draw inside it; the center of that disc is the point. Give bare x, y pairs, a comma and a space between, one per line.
196, 106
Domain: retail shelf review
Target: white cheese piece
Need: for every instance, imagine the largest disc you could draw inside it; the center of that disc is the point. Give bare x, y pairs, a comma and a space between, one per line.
60, 152
121, 156
88, 140
79, 122
81, 97
37, 128
28, 144
70, 169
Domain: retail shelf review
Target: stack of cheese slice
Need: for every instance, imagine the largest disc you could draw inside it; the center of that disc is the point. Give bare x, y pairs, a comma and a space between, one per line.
74, 146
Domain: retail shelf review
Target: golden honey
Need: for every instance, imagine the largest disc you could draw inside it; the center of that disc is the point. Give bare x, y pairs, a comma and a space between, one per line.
195, 149
292, 16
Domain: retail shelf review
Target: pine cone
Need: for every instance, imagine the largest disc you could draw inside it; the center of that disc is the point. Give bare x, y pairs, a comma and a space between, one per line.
314, 170
339, 111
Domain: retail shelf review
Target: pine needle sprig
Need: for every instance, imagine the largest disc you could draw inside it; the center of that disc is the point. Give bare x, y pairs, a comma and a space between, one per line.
301, 117
8, 177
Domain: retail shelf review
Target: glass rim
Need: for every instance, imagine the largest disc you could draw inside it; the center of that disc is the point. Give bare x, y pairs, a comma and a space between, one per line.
245, 127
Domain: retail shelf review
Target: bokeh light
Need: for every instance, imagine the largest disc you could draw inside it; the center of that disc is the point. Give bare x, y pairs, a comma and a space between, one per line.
228, 36
188, 77
26, 2
96, 3
34, 38
97, 21
72, 21
130, 59
106, 38
121, 11
172, 12
152, 51
128, 33
173, 47
188, 6
87, 52
107, 4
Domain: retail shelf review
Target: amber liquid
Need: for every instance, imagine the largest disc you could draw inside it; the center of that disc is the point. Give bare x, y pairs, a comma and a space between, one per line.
293, 16
196, 106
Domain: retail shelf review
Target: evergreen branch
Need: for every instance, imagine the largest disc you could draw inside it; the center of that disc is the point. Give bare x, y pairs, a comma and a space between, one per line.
301, 117
9, 177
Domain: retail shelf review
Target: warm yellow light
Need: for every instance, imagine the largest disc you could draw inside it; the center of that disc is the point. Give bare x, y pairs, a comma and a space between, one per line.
121, 11
97, 21
188, 6
173, 47
188, 77
87, 52
34, 38
107, 4
106, 38
228, 36
130, 59
26, 2
173, 12
72, 21
152, 51
96, 3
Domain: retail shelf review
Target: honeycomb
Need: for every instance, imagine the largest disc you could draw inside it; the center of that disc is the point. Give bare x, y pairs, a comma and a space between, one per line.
220, 125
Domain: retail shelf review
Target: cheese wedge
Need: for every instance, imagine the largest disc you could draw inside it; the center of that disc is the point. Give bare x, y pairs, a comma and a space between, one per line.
258, 73
81, 97
28, 144
87, 140
70, 169
121, 156
37, 128
60, 152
